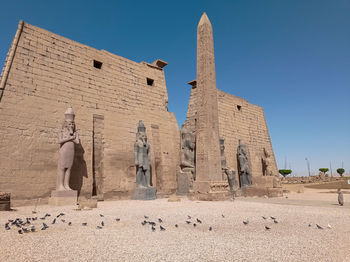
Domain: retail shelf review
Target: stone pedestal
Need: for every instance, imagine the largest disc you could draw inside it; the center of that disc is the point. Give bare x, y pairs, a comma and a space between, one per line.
63, 198
184, 183
5, 201
254, 191
211, 191
144, 193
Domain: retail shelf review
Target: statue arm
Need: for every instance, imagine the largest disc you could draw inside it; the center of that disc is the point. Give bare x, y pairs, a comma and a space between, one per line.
136, 154
76, 139
62, 140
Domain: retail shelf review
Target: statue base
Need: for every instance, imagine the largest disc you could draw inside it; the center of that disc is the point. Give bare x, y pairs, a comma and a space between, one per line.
5, 201
211, 191
184, 183
255, 191
144, 193
63, 197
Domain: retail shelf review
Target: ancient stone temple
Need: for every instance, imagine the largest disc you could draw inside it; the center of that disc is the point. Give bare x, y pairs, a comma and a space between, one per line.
44, 74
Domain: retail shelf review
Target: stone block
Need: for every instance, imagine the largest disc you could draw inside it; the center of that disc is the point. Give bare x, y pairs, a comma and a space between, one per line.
63, 198
144, 193
184, 183
5, 201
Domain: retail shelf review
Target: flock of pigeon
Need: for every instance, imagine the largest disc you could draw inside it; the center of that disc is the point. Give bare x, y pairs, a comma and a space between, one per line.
27, 225
153, 224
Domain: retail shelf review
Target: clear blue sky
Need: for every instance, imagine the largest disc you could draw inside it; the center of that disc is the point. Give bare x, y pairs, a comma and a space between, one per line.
292, 57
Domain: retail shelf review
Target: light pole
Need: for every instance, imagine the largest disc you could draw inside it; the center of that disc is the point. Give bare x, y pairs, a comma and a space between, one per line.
308, 165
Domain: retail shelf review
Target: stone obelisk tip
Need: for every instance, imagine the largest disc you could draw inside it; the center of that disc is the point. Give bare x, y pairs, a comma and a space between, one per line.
204, 19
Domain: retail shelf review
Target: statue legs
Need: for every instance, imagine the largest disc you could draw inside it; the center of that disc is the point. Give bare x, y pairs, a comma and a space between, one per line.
60, 179
66, 179
147, 178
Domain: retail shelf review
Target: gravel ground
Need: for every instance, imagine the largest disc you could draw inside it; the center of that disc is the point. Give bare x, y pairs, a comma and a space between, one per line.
230, 240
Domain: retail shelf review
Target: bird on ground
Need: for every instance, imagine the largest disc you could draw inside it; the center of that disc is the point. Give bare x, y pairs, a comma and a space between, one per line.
273, 218
199, 221
194, 224
160, 220
98, 227
102, 223
101, 215
47, 215
310, 225
162, 228
223, 216
246, 222
20, 231
146, 217
53, 221
275, 221
32, 228
42, 218
62, 214
319, 227
25, 230
143, 223
7, 226
267, 228
84, 224
329, 226
188, 222
117, 219
43, 228
176, 225
64, 221
70, 223
34, 218
44, 225
189, 217
263, 217
210, 228
153, 229
152, 223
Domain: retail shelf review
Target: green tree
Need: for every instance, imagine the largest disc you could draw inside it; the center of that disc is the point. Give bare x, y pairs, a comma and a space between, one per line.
323, 170
285, 172
340, 171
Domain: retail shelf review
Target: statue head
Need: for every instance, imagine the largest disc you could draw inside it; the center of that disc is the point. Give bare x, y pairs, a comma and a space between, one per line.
266, 153
242, 148
69, 123
222, 144
141, 132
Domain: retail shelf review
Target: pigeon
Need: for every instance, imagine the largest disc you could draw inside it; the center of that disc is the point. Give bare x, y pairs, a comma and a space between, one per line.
102, 223
43, 228
34, 218
223, 215
10, 220
146, 217
267, 228
310, 225
189, 217
117, 219
47, 215
153, 229
101, 215
32, 229
275, 221
210, 228
273, 218
20, 231
143, 223
152, 223
70, 223
162, 228
176, 225
53, 221
84, 224
44, 225
199, 221
194, 224
25, 230
64, 221
160, 220
246, 222
263, 217
188, 222
329, 226
7, 226
319, 227
62, 214
42, 218
98, 227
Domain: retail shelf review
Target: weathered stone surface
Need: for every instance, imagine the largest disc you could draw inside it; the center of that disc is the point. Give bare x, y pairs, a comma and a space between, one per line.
5, 201
63, 197
244, 167
50, 72
184, 182
208, 162
144, 193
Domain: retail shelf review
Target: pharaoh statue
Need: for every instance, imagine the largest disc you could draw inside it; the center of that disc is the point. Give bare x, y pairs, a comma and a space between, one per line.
244, 168
229, 172
142, 161
267, 169
187, 150
68, 137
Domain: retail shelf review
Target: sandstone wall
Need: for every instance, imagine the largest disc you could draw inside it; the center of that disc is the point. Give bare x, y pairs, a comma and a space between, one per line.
239, 120
48, 73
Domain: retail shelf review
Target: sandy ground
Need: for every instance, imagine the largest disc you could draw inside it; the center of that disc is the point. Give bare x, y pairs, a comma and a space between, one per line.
292, 239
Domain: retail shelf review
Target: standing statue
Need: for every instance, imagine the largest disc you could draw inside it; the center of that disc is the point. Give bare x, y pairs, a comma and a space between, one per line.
267, 169
187, 150
244, 169
68, 137
229, 172
142, 161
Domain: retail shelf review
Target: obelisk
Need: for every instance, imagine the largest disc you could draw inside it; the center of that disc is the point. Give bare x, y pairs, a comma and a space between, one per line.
208, 159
